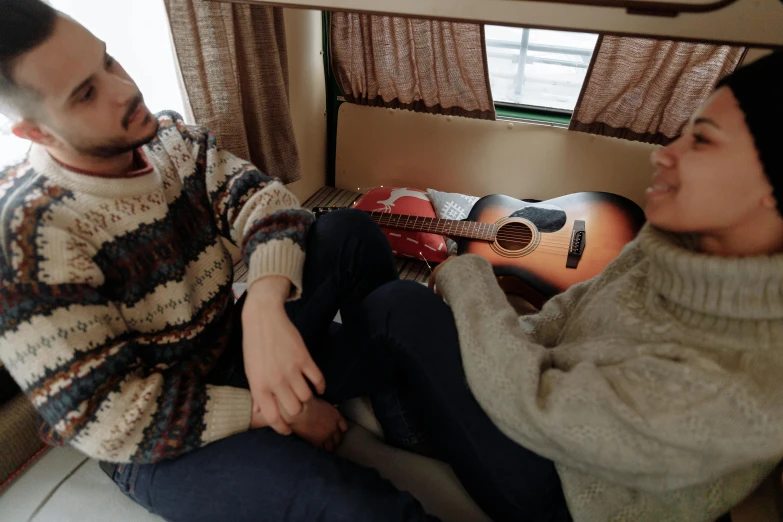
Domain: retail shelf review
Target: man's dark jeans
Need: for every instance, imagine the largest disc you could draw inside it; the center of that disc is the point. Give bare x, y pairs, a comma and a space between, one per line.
259, 475
398, 343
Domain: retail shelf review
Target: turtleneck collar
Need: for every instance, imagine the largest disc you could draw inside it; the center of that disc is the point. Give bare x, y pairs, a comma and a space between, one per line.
744, 288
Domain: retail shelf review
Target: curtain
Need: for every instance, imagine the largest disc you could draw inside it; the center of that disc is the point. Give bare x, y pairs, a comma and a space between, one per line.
422, 65
234, 68
646, 90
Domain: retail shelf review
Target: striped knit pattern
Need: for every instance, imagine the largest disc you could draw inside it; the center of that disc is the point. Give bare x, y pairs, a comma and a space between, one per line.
115, 294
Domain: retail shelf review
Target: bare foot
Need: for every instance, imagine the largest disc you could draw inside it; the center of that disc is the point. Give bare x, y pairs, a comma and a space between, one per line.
320, 424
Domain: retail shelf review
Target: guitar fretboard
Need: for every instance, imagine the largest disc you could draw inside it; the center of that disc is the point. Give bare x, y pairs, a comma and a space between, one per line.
446, 227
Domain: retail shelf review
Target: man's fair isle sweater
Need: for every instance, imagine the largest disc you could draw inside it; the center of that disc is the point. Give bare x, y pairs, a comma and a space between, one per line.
115, 294
656, 387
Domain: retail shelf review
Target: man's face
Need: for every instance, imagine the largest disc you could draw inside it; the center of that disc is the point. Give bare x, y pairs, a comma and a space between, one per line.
88, 104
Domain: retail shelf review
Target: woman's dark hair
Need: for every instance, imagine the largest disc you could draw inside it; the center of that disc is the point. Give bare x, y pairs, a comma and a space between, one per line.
24, 25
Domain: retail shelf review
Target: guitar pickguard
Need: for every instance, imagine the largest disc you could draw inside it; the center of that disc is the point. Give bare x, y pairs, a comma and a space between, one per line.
546, 218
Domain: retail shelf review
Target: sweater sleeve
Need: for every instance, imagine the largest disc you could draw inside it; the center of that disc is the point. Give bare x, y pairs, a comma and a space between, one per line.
84, 371
254, 211
545, 327
652, 420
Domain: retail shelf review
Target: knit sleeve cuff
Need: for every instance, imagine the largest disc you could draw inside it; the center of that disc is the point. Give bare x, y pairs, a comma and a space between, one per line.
278, 258
227, 412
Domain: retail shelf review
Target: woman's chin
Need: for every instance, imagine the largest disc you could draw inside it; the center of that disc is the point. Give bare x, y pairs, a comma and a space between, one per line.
669, 222
653, 212
660, 215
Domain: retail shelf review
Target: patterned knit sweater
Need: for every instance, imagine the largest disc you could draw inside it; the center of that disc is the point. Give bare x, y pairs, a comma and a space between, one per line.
656, 388
115, 294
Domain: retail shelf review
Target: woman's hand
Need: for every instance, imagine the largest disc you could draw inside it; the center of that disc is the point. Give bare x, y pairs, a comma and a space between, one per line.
432, 281
277, 363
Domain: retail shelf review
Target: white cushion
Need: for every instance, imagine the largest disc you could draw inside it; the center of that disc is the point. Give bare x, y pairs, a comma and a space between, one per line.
431, 481
65, 486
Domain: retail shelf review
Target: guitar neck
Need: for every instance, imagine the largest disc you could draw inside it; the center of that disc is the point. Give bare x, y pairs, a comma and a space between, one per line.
446, 227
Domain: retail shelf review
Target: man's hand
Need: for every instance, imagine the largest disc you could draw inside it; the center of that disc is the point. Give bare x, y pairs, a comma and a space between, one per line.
432, 281
257, 420
277, 362
320, 424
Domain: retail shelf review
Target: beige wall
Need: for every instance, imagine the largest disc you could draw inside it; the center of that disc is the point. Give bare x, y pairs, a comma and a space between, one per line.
363, 158
754, 54
307, 97
376, 146
402, 148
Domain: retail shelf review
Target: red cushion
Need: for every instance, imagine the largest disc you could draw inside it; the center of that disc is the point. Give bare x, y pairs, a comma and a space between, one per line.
411, 202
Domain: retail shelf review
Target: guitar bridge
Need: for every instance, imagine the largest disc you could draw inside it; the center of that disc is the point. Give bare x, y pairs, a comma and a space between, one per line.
577, 246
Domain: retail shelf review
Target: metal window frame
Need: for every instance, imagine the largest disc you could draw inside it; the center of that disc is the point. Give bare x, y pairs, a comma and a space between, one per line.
524, 112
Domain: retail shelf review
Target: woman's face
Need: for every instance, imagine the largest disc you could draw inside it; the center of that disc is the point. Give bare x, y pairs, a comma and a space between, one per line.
710, 181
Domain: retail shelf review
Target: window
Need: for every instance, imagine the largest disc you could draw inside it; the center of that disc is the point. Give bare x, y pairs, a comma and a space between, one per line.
137, 35
536, 68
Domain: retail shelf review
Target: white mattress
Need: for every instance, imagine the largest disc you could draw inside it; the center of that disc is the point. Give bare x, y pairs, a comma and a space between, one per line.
65, 486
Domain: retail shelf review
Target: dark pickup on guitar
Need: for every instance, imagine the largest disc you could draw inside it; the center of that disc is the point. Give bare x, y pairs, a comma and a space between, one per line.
537, 249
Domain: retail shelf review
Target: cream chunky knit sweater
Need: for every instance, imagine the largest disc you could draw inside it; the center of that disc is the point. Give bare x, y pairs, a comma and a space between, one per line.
115, 293
656, 388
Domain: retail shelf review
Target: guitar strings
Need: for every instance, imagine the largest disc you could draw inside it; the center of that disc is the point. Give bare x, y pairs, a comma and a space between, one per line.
528, 235
508, 236
554, 242
562, 243
517, 235
520, 236
437, 228
547, 245
441, 228
549, 250
550, 246
540, 243
527, 239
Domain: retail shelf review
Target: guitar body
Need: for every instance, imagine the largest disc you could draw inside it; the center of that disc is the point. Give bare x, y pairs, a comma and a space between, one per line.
537, 249
531, 252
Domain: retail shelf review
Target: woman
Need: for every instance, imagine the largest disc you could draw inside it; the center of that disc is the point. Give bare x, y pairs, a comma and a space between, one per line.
650, 393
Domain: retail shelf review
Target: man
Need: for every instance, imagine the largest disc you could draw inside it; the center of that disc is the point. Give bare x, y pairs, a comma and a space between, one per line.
116, 303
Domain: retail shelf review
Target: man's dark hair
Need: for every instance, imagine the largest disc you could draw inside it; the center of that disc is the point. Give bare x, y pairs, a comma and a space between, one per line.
24, 25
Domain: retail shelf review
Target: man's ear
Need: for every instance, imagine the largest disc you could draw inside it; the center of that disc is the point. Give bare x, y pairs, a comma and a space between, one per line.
29, 130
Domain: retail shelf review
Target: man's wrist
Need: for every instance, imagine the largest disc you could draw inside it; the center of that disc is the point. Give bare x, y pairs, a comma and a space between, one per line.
269, 292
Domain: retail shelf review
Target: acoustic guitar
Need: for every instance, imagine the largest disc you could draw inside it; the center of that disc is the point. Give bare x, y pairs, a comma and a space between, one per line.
537, 249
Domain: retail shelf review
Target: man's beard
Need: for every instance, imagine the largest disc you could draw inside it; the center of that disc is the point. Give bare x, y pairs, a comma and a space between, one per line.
112, 148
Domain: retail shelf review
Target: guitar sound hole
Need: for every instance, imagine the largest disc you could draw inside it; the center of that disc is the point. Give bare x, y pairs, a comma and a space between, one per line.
514, 236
